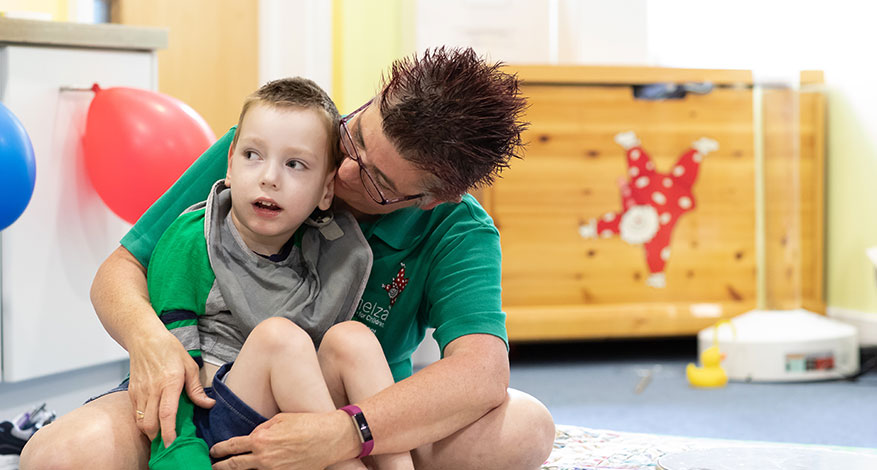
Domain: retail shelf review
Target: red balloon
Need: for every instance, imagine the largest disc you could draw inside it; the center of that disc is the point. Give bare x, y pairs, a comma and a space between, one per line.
137, 143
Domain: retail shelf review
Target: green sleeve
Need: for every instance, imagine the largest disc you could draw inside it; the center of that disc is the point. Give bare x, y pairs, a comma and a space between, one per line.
463, 289
179, 276
191, 188
187, 451
179, 280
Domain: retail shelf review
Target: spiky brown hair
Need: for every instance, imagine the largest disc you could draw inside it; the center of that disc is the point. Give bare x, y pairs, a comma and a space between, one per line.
454, 116
300, 93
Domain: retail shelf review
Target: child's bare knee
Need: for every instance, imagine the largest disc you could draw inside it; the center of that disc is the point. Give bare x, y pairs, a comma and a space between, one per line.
349, 340
278, 333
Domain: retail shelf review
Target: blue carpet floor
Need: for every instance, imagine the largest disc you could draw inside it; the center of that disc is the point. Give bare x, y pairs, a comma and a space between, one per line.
593, 384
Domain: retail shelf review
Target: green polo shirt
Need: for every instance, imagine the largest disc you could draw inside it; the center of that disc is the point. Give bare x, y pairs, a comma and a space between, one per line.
432, 269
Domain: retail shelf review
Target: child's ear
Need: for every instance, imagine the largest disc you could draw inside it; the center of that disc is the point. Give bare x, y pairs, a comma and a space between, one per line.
228, 167
328, 192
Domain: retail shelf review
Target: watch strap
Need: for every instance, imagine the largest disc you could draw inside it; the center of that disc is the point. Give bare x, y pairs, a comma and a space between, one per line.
365, 433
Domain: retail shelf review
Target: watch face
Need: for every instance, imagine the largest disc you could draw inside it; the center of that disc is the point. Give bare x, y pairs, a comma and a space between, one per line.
364, 432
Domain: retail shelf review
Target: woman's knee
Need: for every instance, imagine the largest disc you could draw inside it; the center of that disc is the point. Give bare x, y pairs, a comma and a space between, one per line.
534, 424
89, 437
494, 440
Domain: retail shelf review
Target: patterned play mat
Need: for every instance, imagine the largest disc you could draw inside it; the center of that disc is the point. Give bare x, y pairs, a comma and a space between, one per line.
578, 448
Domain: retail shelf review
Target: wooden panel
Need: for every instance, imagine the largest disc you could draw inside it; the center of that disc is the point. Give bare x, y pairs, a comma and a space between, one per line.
570, 75
794, 191
629, 320
569, 175
64, 34
212, 59
813, 182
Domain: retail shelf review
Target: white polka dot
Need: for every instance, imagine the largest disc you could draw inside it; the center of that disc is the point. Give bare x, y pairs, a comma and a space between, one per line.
685, 202
665, 253
668, 182
626, 191
650, 166
697, 157
634, 154
665, 218
642, 182
659, 198
606, 233
634, 171
628, 204
609, 217
678, 171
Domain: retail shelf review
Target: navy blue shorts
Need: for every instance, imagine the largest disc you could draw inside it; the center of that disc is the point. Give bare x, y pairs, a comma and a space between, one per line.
229, 417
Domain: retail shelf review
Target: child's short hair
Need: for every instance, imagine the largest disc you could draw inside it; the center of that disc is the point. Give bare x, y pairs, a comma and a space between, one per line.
299, 92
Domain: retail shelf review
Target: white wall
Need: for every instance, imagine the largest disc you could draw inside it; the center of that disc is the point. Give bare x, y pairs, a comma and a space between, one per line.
602, 33
537, 31
770, 38
295, 38
61, 392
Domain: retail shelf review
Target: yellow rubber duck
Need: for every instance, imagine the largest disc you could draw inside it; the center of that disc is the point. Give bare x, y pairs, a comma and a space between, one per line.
711, 374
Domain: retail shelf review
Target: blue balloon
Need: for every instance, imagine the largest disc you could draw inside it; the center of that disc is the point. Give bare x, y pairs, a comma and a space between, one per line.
17, 168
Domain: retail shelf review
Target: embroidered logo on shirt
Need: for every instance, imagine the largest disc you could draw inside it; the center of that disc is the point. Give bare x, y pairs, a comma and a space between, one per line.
397, 286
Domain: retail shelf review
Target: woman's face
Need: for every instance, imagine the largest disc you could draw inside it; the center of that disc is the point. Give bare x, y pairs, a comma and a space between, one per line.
396, 176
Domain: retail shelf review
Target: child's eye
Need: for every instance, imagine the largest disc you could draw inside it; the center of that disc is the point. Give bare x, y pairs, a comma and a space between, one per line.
296, 164
250, 155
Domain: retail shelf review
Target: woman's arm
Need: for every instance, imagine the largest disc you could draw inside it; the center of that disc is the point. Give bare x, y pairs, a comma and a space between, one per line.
160, 366
443, 397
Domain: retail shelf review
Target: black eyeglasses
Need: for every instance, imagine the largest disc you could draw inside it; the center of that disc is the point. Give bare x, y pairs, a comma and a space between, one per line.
371, 186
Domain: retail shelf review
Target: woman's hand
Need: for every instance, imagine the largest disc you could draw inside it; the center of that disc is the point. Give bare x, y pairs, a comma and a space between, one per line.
291, 441
160, 368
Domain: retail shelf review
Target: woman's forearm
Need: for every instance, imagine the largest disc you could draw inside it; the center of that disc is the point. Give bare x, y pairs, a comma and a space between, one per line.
442, 398
121, 299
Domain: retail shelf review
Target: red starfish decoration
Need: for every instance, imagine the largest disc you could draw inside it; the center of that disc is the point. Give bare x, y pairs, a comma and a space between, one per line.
651, 202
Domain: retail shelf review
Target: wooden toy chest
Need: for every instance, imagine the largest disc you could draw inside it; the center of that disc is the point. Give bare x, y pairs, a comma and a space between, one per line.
754, 234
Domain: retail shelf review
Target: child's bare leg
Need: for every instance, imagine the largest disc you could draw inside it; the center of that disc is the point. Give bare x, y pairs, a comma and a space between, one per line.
355, 368
277, 370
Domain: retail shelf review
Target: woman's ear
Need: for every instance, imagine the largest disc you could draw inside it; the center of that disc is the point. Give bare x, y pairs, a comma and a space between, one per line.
430, 202
328, 192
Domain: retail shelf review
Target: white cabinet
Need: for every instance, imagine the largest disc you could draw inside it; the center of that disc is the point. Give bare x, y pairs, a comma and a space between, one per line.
49, 256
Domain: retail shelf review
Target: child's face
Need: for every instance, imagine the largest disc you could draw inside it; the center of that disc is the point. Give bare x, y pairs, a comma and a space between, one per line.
278, 174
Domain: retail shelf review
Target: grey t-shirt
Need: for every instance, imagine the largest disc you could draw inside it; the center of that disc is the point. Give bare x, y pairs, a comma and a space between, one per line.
316, 286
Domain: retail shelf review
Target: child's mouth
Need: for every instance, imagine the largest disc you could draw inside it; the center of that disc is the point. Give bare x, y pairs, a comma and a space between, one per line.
266, 206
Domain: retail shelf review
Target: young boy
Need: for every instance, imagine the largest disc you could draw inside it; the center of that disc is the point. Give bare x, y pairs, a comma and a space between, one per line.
251, 284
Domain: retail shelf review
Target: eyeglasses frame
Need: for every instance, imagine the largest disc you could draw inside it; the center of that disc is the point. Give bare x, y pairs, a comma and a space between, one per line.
364, 174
